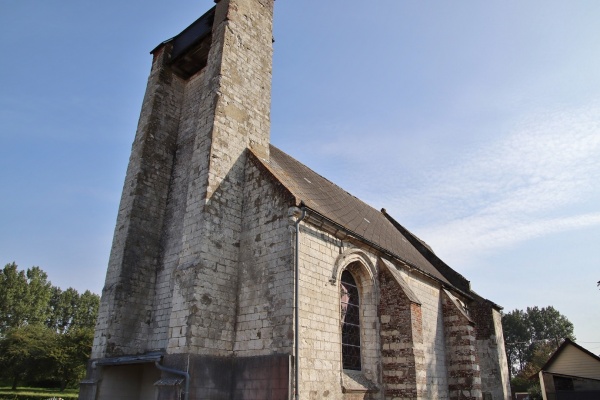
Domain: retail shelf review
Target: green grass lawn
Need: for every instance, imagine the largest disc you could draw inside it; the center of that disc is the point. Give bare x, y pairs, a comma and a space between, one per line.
27, 393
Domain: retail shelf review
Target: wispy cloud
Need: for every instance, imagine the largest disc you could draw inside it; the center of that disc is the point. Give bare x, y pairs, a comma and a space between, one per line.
539, 179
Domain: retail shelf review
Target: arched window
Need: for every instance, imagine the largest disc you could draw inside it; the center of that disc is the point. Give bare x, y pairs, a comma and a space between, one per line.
350, 319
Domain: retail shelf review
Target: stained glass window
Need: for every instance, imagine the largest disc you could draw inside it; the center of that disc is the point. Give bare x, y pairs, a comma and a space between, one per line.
350, 319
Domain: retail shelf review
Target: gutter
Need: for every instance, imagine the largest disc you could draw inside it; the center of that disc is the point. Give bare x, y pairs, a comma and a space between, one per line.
296, 303
186, 375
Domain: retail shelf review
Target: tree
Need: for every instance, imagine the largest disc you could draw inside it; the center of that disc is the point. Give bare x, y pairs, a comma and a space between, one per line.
547, 324
45, 333
25, 353
517, 337
71, 355
37, 295
24, 296
531, 336
86, 311
62, 308
68, 309
540, 354
13, 284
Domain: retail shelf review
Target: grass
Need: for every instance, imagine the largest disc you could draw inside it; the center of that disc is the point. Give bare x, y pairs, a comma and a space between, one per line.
26, 393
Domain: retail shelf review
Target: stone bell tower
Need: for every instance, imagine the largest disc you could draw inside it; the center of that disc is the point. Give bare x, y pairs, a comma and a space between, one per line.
170, 296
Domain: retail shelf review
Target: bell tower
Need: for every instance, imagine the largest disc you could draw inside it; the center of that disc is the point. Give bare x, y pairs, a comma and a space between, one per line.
171, 287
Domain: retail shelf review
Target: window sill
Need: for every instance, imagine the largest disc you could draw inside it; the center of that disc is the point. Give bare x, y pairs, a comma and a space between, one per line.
357, 382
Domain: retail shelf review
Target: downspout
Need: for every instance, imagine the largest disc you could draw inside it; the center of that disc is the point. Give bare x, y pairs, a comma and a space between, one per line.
296, 305
186, 375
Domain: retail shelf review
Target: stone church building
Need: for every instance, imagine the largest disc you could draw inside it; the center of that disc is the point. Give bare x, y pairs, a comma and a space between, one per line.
236, 272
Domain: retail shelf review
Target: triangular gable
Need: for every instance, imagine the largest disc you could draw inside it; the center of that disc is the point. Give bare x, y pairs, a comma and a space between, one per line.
573, 360
458, 305
391, 268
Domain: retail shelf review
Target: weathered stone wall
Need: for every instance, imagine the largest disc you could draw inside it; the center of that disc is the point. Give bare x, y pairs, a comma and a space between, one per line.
173, 273
464, 375
500, 385
235, 112
229, 378
264, 323
401, 340
323, 256
175, 212
319, 314
435, 382
127, 382
490, 350
126, 305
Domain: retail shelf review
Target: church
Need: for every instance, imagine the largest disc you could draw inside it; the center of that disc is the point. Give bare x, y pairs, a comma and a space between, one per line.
237, 272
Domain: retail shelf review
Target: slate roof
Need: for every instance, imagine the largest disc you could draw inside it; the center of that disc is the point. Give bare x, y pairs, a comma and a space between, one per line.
344, 209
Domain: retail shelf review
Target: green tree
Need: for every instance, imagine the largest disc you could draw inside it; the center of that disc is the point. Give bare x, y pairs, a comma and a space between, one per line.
26, 353
86, 311
540, 354
548, 325
24, 296
70, 356
73, 317
517, 337
37, 295
531, 336
68, 309
62, 306
45, 333
13, 284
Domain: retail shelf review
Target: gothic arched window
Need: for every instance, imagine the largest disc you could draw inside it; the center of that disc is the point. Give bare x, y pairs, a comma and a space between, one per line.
350, 320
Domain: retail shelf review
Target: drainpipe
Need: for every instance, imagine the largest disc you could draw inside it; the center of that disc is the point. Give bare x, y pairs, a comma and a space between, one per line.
296, 304
186, 375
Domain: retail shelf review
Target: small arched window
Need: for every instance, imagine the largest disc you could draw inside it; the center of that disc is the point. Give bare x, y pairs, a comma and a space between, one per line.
350, 320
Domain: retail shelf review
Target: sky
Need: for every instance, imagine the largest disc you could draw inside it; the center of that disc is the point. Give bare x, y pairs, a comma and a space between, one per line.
475, 124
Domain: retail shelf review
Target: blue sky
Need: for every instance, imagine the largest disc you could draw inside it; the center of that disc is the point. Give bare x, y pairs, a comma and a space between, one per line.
475, 124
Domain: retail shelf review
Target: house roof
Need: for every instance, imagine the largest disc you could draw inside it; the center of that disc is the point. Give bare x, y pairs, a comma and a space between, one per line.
334, 203
562, 348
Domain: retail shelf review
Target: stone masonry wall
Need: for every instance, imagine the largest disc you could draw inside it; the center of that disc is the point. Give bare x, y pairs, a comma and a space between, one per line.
490, 350
502, 389
401, 341
264, 323
434, 347
320, 348
464, 376
179, 223
175, 211
126, 305
319, 314
234, 116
